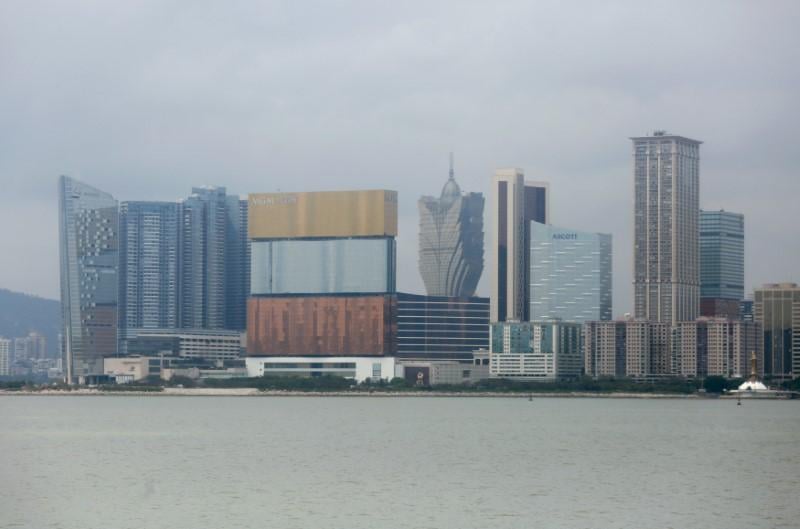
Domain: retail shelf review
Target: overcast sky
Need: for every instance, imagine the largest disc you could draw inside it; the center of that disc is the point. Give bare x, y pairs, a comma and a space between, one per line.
146, 99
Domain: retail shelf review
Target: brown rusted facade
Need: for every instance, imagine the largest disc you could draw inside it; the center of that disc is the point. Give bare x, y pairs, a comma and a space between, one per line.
322, 325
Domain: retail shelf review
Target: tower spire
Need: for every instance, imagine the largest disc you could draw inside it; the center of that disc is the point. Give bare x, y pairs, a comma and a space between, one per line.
452, 173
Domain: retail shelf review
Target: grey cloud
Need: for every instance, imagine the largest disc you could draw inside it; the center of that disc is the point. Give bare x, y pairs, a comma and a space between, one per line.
147, 99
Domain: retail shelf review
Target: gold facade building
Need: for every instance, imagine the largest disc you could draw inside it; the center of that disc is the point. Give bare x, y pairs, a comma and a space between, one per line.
322, 214
323, 274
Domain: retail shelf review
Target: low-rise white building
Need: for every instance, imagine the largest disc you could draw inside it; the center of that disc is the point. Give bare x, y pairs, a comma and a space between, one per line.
546, 351
358, 368
125, 369
214, 345
439, 372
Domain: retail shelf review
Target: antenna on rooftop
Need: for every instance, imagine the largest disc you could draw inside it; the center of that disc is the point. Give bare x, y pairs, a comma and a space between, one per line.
452, 173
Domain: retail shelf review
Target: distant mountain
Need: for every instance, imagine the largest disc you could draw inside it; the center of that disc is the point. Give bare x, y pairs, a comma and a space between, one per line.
22, 313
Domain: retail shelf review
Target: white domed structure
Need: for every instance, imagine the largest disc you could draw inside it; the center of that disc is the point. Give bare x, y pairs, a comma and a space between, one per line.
450, 192
752, 385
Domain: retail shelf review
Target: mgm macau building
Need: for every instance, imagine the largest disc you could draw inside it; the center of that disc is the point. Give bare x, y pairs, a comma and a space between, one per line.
323, 284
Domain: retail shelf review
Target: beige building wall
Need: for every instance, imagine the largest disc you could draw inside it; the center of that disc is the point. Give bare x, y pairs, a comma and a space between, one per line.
685, 352
136, 366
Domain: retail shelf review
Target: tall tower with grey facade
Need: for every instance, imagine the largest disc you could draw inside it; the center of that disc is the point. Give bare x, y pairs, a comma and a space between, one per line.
88, 247
202, 287
149, 265
237, 264
666, 172
515, 203
184, 265
451, 241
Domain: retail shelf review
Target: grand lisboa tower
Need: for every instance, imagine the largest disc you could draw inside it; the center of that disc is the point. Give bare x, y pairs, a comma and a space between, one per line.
451, 241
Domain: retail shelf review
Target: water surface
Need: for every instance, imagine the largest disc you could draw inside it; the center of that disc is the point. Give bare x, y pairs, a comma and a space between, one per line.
307, 462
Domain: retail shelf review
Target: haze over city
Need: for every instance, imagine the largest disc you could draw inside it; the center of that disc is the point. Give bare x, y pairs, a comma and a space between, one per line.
399, 264
147, 100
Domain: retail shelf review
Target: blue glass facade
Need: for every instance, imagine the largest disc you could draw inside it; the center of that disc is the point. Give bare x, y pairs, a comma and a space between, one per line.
721, 255
237, 264
323, 266
570, 274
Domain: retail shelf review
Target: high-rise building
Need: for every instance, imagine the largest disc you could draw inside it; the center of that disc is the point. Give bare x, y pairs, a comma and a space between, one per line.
149, 265
31, 347
237, 264
184, 265
570, 276
322, 276
515, 204
777, 310
546, 351
88, 242
451, 241
5, 357
721, 263
433, 328
666, 211
202, 286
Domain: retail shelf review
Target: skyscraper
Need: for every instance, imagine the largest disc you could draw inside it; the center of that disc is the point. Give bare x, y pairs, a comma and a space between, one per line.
451, 241
570, 276
202, 286
183, 265
149, 265
88, 244
721, 263
5, 357
666, 197
237, 264
515, 203
777, 310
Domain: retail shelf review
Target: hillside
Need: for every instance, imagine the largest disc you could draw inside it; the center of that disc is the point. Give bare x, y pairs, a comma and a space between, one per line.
21, 314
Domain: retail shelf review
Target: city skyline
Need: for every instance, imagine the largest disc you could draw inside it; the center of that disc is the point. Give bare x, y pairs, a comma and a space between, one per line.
232, 200
244, 131
240, 283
